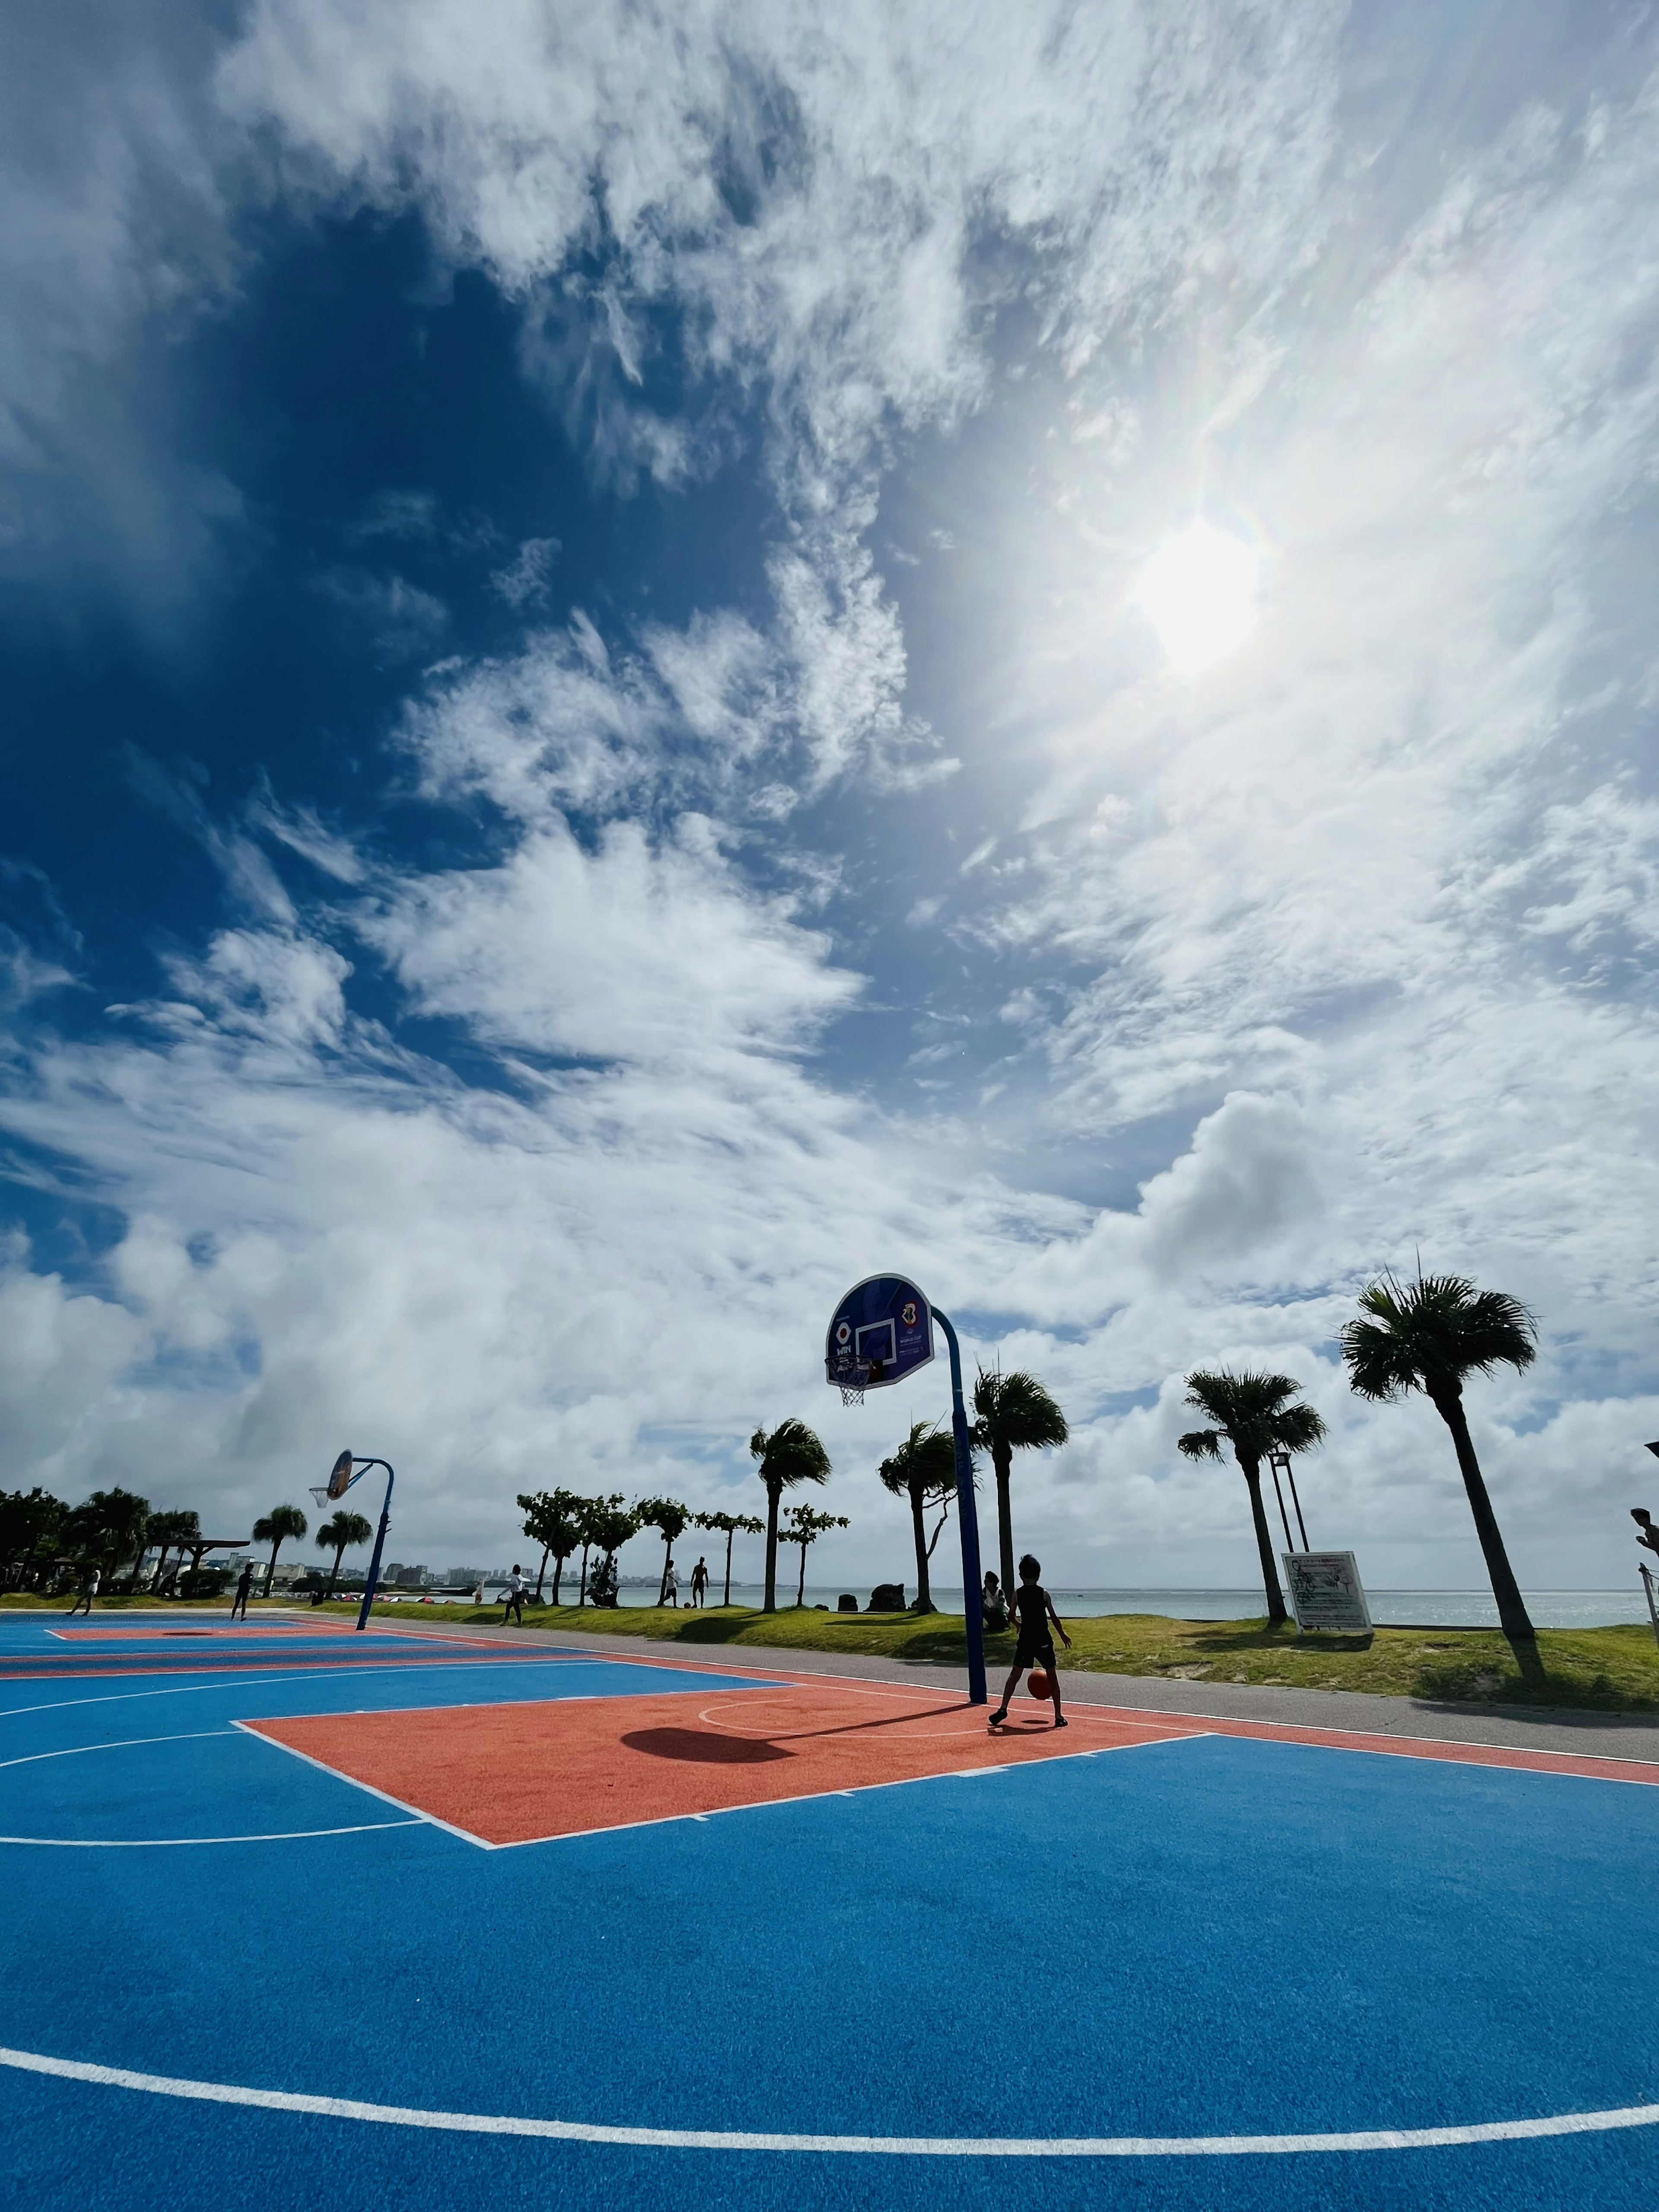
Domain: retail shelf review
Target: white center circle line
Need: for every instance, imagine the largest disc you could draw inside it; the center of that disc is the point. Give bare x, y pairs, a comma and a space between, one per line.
488, 2123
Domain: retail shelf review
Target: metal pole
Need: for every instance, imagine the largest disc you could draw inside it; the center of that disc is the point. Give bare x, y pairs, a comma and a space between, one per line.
1290, 1477
1273, 1469
1646, 1573
967, 1522
379, 1541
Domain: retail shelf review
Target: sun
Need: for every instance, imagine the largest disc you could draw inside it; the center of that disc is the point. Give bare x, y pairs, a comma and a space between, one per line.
1199, 591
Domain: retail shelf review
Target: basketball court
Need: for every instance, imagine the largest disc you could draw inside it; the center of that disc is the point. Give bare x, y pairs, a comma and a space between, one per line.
300, 1915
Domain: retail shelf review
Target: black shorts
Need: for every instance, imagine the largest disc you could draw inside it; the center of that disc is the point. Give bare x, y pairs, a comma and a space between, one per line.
1033, 1654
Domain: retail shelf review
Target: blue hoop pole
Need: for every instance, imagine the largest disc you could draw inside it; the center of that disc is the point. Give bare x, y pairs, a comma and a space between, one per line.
379, 1537
967, 1522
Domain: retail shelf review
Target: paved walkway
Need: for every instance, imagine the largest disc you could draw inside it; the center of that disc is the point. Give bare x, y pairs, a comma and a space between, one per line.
1610, 1736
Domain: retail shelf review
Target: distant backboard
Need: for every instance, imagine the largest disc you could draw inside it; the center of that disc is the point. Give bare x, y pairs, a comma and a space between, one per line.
882, 1331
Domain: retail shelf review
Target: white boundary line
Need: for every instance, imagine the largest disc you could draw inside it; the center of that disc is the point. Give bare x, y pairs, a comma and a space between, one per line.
484, 2124
182, 1843
339, 1774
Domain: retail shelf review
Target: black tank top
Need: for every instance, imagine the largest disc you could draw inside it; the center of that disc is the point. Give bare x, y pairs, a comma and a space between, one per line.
1032, 1604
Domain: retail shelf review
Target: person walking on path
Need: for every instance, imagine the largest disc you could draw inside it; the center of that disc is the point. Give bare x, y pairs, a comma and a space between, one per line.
700, 1581
1033, 1609
516, 1588
88, 1591
244, 1584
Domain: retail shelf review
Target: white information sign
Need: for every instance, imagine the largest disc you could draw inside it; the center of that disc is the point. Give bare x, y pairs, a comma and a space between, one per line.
1326, 1591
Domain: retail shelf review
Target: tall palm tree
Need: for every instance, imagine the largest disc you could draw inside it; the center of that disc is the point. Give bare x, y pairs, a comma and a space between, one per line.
165, 1530
1429, 1336
924, 1470
803, 1525
730, 1525
1012, 1413
790, 1455
275, 1528
334, 1536
109, 1526
671, 1520
1256, 1414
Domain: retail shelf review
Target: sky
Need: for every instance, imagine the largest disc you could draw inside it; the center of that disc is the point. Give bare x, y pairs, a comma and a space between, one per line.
656, 658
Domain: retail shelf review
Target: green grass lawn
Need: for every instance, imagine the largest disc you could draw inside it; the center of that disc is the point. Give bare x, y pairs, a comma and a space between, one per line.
1601, 1669
1604, 1669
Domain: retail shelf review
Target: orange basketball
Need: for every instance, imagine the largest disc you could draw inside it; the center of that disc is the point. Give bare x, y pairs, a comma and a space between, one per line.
1039, 1685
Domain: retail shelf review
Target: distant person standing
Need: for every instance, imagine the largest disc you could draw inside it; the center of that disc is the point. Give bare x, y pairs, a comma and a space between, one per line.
514, 1606
1033, 1609
88, 1591
670, 1586
700, 1581
244, 1584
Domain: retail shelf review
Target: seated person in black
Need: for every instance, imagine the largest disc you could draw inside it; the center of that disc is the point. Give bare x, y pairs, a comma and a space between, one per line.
1033, 1609
993, 1606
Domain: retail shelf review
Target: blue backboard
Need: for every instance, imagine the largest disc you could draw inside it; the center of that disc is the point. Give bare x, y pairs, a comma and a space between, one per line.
883, 1330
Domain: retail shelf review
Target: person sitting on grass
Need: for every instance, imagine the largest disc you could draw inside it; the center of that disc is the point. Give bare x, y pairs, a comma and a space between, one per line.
515, 1604
992, 1606
1033, 1609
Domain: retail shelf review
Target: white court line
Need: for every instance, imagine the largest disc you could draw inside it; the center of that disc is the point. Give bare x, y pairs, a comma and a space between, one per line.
339, 1774
182, 1843
122, 1743
489, 2124
229, 1680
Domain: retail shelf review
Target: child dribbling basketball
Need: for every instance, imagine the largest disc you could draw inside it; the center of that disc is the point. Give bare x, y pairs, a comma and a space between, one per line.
1033, 1609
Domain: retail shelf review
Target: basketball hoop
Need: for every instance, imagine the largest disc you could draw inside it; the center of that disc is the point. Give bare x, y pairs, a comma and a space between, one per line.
852, 1384
319, 1492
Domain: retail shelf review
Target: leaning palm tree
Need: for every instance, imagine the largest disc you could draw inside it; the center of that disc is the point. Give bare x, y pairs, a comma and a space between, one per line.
924, 1470
334, 1536
1256, 1414
790, 1455
1428, 1336
1013, 1412
275, 1528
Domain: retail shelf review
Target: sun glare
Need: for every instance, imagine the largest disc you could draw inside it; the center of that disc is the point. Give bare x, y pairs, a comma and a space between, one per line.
1199, 592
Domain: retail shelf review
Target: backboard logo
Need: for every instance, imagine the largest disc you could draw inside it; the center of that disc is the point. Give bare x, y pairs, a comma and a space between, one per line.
908, 1315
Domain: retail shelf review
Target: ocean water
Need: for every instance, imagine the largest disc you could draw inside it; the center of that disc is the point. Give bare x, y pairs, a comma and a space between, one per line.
1469, 1608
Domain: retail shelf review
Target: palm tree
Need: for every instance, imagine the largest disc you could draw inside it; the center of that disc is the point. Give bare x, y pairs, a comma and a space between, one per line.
803, 1525
334, 1536
730, 1525
552, 1518
275, 1528
790, 1455
923, 1469
165, 1530
1013, 1412
1428, 1336
670, 1519
108, 1526
1256, 1414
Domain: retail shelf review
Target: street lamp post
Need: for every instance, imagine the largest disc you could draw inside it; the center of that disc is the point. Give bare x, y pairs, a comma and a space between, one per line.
1280, 1462
346, 1470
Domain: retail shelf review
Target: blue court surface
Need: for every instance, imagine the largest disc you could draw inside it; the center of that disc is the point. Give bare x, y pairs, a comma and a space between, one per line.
1186, 1973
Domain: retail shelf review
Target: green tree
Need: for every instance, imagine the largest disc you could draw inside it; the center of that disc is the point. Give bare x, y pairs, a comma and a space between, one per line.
924, 1470
335, 1534
552, 1518
1012, 1413
1431, 1335
803, 1525
790, 1455
31, 1526
671, 1520
108, 1527
612, 1524
591, 1513
1256, 1414
730, 1525
166, 1530
275, 1528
